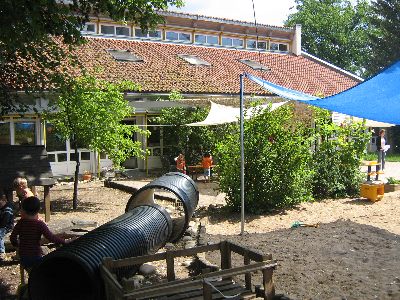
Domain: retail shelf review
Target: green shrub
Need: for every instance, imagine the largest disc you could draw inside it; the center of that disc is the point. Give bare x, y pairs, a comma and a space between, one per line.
337, 156
277, 156
392, 180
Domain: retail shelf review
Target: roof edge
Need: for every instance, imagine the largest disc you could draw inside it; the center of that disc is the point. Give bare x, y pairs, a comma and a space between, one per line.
223, 20
324, 62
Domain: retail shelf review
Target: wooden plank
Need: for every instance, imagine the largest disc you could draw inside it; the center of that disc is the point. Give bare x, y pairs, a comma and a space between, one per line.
247, 276
253, 255
165, 288
170, 266
162, 255
47, 203
268, 283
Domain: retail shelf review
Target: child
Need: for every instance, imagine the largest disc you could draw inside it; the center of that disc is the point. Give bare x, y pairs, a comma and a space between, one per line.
6, 222
207, 163
20, 186
181, 163
28, 232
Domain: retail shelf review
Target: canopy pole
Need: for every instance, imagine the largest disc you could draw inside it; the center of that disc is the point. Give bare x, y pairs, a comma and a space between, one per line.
242, 153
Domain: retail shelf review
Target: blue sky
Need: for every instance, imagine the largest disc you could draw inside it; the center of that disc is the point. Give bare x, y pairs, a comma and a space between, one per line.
270, 12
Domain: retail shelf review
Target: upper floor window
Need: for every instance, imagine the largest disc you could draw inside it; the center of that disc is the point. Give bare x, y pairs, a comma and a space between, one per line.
278, 47
254, 44
115, 30
155, 34
206, 39
232, 42
178, 36
89, 28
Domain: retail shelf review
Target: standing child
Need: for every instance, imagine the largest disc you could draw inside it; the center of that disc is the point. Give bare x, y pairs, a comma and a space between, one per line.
6, 222
181, 163
28, 232
20, 186
207, 163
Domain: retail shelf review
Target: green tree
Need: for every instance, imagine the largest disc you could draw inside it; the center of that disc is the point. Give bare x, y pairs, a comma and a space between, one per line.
277, 162
385, 37
334, 30
89, 113
31, 33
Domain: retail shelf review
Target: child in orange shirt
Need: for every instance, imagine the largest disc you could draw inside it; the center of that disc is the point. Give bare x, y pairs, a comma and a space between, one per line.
207, 163
181, 163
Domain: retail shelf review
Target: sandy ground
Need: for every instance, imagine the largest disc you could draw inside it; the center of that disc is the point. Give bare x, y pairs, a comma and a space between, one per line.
353, 254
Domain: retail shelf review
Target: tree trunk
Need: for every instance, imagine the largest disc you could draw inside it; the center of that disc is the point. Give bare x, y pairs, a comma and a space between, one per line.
76, 178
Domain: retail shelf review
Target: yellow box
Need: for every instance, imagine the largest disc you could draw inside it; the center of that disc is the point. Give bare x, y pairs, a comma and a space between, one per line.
373, 192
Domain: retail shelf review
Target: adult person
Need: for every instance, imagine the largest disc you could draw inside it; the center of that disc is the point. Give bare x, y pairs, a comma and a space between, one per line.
380, 147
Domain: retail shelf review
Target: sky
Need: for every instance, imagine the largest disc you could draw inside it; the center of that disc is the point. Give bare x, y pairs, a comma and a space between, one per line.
269, 12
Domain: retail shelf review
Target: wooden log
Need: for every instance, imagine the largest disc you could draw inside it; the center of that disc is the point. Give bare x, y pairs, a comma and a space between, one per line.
47, 203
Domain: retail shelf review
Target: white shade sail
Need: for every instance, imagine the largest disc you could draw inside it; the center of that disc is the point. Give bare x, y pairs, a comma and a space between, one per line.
222, 114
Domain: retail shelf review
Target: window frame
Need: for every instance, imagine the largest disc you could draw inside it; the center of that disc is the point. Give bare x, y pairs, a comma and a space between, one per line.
232, 39
179, 35
147, 37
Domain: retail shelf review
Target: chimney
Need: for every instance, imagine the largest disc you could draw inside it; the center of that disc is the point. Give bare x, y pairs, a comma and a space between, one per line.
296, 43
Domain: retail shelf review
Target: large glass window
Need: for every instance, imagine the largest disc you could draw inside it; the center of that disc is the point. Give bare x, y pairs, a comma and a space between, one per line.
54, 141
178, 36
122, 31
89, 28
25, 133
232, 42
278, 47
107, 29
253, 44
5, 133
206, 39
148, 34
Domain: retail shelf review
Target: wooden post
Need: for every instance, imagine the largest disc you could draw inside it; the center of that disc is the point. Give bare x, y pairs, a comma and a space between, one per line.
170, 266
226, 257
268, 283
47, 203
247, 276
207, 291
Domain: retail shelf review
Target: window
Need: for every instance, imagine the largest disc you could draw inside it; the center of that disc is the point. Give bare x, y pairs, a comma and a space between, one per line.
255, 65
232, 42
148, 34
54, 141
278, 47
206, 39
107, 29
194, 60
124, 31
124, 55
178, 36
89, 28
253, 44
115, 30
25, 133
5, 137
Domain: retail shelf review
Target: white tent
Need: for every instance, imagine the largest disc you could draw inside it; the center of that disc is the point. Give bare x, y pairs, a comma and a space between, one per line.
222, 114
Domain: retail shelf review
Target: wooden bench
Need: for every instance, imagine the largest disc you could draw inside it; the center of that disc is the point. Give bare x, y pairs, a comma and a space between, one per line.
208, 285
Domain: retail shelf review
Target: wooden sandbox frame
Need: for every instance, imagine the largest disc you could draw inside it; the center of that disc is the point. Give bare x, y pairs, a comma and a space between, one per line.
202, 286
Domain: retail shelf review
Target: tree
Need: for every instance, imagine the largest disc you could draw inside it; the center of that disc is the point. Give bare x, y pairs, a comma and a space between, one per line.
31, 33
89, 112
385, 37
334, 30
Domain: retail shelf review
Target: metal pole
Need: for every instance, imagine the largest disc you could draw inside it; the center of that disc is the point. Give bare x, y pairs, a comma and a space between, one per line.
242, 153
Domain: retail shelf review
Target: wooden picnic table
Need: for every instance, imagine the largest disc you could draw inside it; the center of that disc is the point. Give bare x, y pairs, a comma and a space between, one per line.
194, 170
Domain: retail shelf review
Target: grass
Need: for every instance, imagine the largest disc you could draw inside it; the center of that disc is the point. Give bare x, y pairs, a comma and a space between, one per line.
392, 157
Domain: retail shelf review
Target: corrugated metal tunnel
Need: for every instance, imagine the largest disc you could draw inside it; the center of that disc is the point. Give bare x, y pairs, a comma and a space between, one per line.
71, 272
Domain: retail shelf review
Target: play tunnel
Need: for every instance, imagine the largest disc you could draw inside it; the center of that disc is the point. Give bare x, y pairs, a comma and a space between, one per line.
157, 213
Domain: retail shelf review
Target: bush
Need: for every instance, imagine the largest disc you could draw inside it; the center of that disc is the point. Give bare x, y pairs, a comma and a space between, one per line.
277, 156
337, 156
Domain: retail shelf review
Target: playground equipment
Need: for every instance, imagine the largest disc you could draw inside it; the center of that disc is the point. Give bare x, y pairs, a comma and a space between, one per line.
72, 271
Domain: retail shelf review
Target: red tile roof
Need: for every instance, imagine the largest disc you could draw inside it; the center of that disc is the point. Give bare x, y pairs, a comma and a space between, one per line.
163, 71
